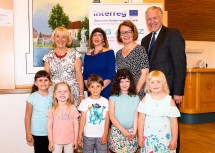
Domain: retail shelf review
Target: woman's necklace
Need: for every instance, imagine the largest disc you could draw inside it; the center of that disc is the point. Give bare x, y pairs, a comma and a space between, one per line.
60, 55
93, 52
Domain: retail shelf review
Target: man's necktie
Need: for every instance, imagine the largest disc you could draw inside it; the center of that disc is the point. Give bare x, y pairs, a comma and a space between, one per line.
151, 45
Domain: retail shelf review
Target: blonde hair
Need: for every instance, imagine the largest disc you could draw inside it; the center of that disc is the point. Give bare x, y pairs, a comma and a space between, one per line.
70, 100
156, 75
61, 31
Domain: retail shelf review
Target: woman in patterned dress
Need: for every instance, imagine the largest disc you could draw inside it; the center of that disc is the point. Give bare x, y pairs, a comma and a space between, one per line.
132, 55
64, 63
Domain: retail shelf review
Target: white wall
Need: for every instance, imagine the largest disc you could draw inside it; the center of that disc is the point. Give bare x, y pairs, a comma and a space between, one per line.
12, 133
22, 34
12, 107
208, 54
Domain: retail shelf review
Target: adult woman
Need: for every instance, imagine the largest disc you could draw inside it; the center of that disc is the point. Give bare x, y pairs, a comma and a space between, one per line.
132, 55
64, 64
100, 61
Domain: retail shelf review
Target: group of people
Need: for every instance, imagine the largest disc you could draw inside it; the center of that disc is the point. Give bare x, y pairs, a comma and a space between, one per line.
138, 91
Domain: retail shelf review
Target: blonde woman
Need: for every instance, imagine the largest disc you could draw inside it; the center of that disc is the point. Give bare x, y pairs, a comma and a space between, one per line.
64, 63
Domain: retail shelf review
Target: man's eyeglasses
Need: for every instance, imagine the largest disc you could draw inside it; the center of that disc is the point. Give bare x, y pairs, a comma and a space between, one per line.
126, 32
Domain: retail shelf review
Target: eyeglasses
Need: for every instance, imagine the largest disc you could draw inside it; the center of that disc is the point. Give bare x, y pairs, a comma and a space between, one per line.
123, 33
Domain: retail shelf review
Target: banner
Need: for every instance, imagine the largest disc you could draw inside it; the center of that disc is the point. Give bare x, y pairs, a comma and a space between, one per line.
108, 17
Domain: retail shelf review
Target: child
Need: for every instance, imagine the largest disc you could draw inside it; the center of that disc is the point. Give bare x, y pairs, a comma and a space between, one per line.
157, 121
62, 120
123, 104
94, 122
37, 106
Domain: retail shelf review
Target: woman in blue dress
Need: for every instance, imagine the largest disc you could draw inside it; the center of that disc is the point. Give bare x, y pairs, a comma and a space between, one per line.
100, 60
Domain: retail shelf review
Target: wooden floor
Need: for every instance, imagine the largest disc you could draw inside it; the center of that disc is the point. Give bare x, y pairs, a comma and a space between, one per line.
197, 138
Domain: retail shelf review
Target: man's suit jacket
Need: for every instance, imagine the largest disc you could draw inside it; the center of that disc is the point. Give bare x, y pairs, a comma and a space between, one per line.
168, 56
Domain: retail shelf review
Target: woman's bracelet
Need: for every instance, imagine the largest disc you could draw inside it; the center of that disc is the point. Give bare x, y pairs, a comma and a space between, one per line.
81, 95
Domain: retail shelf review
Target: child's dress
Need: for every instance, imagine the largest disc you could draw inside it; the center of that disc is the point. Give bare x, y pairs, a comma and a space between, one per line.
63, 124
157, 129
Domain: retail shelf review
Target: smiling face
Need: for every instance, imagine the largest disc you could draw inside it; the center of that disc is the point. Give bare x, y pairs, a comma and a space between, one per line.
42, 83
61, 37
126, 34
62, 93
156, 85
97, 39
61, 40
154, 19
95, 89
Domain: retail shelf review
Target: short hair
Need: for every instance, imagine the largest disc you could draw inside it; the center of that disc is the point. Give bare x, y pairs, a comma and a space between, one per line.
129, 24
154, 8
100, 30
156, 74
94, 78
123, 73
62, 31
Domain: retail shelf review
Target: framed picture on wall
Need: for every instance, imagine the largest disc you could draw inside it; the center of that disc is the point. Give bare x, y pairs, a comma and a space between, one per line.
43, 16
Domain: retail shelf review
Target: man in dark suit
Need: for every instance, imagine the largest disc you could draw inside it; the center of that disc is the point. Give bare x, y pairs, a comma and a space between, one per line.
167, 54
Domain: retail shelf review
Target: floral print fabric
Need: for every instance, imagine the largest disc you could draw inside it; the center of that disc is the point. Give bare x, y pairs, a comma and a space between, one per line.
120, 144
157, 128
63, 69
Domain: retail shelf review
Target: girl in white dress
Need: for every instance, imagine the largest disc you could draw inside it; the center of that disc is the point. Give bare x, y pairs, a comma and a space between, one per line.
157, 119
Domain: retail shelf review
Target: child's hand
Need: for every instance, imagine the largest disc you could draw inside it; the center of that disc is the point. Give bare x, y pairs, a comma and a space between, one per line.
75, 145
173, 145
104, 139
132, 135
51, 147
80, 141
141, 141
29, 138
125, 133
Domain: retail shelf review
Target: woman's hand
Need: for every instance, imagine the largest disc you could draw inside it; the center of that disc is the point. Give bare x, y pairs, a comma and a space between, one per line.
81, 97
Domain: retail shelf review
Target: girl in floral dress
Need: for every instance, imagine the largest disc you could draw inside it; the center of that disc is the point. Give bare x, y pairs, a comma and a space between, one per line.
157, 120
123, 104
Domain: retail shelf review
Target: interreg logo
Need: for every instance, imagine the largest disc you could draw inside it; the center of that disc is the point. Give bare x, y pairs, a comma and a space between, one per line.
110, 13
133, 12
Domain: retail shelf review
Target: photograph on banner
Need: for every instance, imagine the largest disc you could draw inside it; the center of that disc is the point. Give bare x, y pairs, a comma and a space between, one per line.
109, 16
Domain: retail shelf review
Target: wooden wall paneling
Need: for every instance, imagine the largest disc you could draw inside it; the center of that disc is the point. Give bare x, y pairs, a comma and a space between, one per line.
194, 18
199, 91
7, 77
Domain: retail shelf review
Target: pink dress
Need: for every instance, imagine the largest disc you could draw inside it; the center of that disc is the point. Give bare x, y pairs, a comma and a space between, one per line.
63, 124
